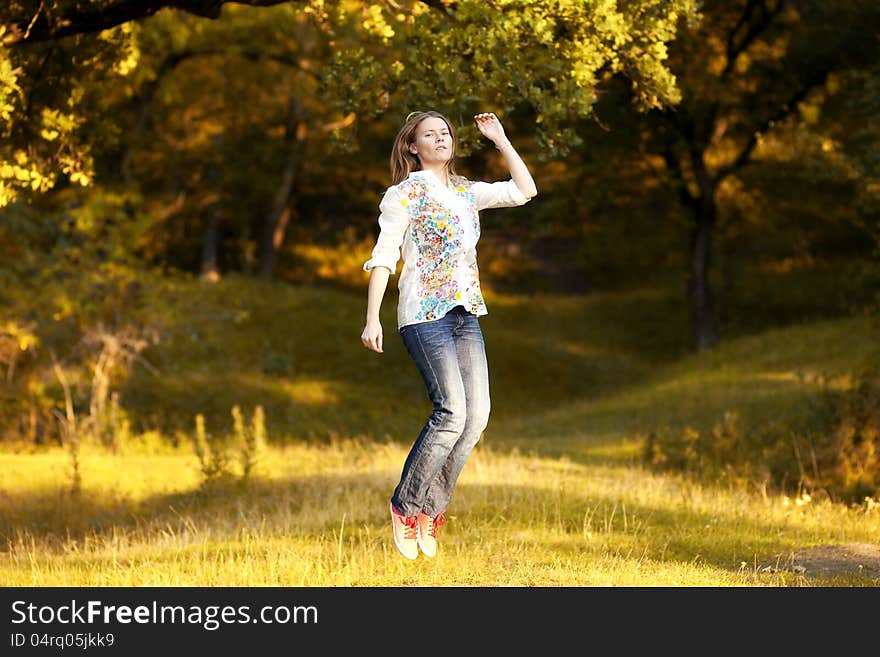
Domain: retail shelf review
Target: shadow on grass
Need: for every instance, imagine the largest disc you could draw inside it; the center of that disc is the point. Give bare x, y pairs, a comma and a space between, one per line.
314, 507
608, 429
247, 342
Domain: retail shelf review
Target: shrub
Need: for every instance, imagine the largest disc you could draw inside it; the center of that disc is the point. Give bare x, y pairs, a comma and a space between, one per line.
231, 456
835, 451
849, 461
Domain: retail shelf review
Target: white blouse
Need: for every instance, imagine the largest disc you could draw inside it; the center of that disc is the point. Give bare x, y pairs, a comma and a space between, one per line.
436, 228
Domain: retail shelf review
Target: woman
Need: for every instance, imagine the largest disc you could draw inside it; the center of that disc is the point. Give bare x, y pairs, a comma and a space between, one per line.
430, 214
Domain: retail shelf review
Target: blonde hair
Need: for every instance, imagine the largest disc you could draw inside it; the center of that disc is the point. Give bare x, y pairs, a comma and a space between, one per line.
403, 162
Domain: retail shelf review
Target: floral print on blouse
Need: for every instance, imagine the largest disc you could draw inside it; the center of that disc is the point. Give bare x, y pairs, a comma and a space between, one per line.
435, 229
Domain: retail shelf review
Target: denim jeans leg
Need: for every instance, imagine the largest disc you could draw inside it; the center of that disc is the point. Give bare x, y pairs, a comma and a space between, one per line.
473, 366
432, 347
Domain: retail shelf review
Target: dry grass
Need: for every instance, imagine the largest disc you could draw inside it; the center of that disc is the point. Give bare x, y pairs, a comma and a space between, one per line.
316, 517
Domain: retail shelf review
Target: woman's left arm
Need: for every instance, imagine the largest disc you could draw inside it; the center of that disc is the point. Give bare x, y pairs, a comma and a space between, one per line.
491, 128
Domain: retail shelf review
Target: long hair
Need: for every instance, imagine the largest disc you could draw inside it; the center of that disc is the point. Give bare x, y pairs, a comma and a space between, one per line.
402, 161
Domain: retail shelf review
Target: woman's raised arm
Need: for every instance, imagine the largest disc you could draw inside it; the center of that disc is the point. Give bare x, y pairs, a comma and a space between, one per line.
491, 128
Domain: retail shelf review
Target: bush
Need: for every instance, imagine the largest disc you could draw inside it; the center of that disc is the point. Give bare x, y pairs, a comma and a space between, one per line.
838, 456
849, 462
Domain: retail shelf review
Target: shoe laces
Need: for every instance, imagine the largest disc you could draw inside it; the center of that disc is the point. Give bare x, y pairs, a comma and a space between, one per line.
434, 523
410, 527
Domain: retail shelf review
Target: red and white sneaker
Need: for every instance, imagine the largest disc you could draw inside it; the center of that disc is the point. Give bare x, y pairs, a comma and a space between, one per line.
405, 531
428, 533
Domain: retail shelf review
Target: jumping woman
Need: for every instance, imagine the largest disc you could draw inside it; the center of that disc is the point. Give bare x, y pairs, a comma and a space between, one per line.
430, 215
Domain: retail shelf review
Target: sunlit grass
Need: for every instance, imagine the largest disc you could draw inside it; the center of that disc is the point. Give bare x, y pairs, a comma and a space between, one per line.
316, 516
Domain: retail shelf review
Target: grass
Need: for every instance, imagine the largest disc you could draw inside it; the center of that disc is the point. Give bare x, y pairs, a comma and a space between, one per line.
317, 516
553, 496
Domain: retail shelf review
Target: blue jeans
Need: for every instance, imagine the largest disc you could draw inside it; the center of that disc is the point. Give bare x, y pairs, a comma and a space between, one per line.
451, 357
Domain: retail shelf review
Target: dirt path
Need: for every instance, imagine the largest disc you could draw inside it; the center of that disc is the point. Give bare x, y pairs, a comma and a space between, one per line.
830, 560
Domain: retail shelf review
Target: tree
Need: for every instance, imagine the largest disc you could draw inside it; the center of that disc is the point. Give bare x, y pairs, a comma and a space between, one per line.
544, 54
763, 60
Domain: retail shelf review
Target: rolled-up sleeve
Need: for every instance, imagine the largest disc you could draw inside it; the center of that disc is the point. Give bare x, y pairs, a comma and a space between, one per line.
393, 220
502, 194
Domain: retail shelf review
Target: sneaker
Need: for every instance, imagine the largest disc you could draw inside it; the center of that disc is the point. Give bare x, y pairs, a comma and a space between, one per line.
405, 531
428, 533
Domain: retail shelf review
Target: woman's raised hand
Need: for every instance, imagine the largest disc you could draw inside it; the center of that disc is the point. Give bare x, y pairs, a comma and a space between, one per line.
491, 127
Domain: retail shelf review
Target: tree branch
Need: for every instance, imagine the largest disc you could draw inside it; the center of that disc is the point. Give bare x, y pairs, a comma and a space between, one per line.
44, 27
676, 175
754, 29
819, 78
734, 49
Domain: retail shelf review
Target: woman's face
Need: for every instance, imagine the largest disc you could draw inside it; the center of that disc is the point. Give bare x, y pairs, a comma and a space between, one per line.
433, 141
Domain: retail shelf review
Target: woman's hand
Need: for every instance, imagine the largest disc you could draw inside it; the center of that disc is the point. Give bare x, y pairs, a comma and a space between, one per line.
372, 335
491, 128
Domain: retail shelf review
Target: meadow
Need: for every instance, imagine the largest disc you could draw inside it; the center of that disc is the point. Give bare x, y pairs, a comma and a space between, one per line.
556, 493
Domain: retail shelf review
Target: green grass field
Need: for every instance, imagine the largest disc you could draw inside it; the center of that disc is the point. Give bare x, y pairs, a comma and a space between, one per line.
554, 495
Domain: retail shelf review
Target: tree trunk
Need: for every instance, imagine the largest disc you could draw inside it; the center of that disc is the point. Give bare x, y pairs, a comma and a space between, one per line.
272, 233
272, 236
701, 206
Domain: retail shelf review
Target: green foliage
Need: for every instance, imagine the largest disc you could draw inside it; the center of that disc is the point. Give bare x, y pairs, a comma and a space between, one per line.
77, 305
155, 106
546, 57
52, 97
